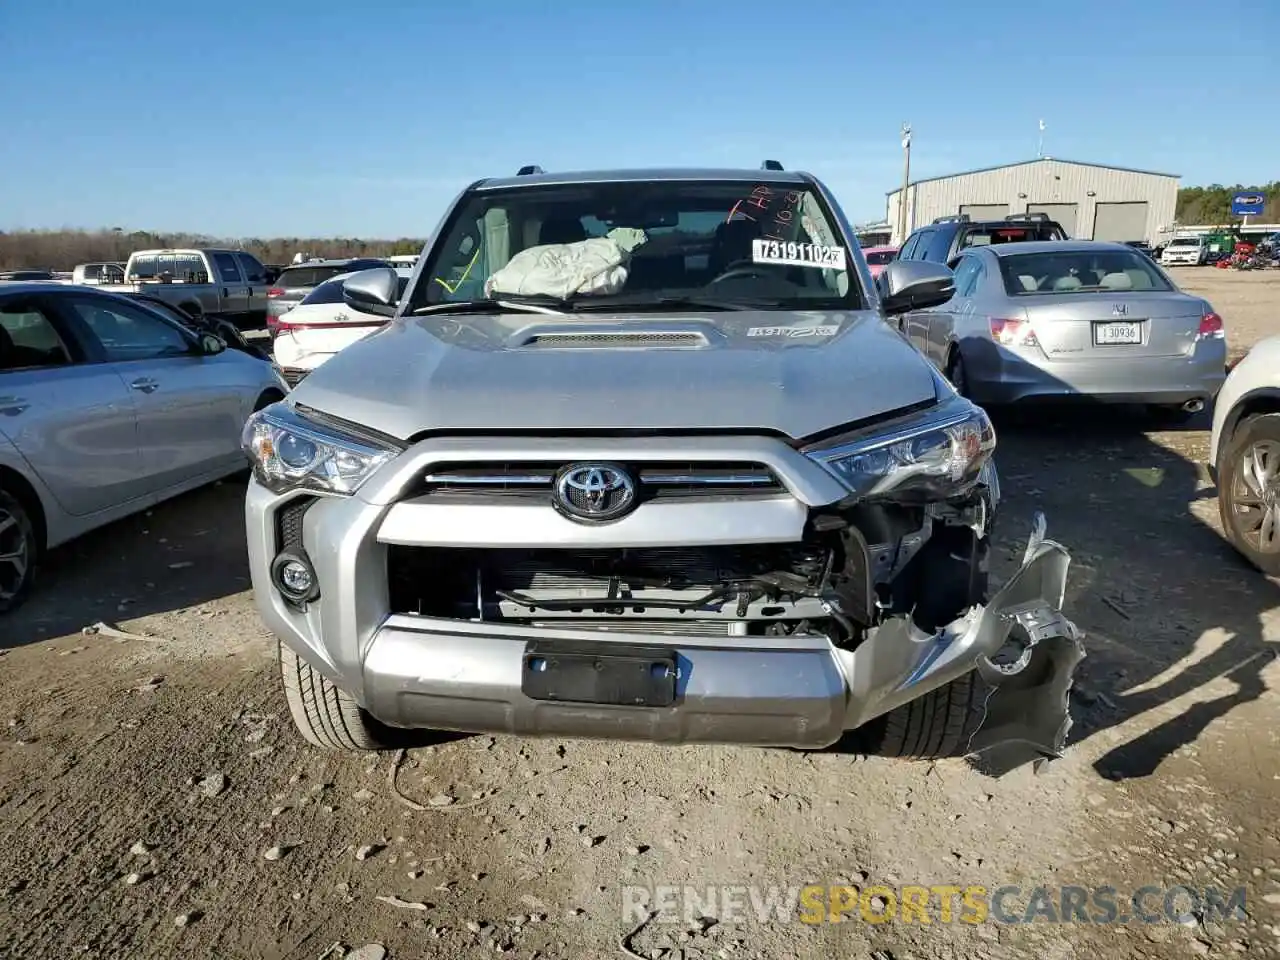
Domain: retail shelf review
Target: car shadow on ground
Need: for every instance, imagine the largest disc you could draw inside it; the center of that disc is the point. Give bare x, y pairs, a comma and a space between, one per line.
187, 551
1166, 603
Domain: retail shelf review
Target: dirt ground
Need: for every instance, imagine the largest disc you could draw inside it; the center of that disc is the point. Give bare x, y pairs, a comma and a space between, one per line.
155, 801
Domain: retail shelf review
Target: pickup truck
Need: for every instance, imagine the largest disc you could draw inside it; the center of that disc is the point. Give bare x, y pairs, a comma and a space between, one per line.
230, 284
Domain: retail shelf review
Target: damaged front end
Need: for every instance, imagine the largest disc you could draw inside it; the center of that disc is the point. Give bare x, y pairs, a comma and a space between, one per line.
765, 606
1021, 646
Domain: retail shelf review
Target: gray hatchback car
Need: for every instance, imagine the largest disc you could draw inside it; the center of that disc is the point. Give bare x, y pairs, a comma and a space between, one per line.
640, 457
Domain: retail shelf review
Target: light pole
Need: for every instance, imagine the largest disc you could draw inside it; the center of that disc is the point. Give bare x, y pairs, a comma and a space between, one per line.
906, 182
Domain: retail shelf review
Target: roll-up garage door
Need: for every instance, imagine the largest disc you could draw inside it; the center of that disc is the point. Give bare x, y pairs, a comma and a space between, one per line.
1064, 213
985, 211
1120, 221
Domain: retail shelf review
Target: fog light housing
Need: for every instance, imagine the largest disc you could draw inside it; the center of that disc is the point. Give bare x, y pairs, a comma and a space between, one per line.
295, 577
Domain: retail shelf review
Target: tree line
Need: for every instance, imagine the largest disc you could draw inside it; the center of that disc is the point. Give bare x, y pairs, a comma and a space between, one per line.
1212, 204
63, 249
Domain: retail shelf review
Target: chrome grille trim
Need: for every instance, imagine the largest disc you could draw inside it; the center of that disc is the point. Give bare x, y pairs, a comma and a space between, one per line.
690, 479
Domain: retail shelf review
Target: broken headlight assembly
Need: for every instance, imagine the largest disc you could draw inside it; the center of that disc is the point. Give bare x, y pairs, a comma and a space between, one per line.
932, 456
289, 451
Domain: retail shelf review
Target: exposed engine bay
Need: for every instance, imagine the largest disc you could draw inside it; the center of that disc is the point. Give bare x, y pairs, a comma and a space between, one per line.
853, 569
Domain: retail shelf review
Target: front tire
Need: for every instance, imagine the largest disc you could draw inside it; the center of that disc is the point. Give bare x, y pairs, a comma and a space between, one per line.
19, 550
325, 715
1249, 491
939, 724
958, 374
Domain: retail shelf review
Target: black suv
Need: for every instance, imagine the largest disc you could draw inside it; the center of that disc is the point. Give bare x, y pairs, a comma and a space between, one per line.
947, 237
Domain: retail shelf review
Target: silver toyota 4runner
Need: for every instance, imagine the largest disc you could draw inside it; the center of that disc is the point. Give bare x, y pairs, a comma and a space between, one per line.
639, 457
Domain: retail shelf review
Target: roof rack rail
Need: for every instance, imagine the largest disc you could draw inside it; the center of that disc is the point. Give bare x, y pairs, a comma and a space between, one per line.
529, 170
771, 165
953, 218
1038, 215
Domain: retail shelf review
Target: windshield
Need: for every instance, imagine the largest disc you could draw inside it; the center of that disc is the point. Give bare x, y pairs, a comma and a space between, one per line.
878, 257
1186, 242
772, 245
1079, 271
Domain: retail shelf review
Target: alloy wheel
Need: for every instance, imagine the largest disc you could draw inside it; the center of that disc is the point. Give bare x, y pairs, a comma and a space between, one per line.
1255, 495
15, 555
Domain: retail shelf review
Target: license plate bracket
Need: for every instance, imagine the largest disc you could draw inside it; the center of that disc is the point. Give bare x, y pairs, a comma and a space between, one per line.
1117, 333
610, 674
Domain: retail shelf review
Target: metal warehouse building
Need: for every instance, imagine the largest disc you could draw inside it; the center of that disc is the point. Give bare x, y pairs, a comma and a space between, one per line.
1090, 200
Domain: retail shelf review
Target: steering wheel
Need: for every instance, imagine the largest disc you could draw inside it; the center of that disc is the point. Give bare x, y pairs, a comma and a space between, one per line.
741, 268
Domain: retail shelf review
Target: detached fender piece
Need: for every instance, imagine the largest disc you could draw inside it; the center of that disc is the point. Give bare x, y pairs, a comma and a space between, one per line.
1020, 643
1026, 713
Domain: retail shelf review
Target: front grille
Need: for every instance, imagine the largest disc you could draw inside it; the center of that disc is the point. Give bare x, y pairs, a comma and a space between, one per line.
636, 339
292, 375
754, 582
665, 480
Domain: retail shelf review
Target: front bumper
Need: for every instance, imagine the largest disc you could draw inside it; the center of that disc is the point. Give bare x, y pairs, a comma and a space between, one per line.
798, 690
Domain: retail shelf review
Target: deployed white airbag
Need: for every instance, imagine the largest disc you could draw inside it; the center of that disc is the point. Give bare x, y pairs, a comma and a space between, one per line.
560, 270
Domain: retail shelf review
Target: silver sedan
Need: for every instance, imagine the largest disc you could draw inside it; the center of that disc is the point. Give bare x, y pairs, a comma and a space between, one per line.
1072, 318
106, 407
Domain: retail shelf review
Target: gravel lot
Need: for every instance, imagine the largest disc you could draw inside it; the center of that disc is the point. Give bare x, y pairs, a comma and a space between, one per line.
155, 802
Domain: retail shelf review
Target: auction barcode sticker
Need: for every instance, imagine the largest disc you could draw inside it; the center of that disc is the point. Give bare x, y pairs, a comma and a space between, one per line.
797, 254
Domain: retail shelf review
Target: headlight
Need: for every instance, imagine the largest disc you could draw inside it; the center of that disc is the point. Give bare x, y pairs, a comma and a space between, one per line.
936, 457
289, 451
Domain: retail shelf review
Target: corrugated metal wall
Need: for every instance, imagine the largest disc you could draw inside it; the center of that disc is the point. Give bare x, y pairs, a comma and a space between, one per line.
1040, 182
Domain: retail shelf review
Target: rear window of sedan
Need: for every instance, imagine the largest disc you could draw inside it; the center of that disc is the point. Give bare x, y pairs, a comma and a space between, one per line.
308, 276
1079, 271
331, 291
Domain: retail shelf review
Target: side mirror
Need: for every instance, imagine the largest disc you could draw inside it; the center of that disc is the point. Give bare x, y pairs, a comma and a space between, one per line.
907, 285
373, 291
211, 346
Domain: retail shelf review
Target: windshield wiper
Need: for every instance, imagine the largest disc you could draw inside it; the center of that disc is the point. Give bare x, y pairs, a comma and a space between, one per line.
505, 305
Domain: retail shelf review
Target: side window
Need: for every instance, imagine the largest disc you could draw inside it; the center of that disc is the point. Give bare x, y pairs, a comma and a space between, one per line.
967, 271
225, 263
254, 272
940, 246
29, 339
130, 333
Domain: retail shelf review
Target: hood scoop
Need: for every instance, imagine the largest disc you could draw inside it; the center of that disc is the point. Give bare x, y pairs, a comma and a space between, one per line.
546, 337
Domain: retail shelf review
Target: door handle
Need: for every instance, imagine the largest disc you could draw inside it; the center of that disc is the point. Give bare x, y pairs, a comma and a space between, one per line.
145, 384
12, 406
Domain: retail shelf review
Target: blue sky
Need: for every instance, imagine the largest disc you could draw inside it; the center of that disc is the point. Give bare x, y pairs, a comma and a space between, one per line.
286, 117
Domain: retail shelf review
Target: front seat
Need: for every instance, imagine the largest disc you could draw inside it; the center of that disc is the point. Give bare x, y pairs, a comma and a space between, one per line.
732, 244
563, 230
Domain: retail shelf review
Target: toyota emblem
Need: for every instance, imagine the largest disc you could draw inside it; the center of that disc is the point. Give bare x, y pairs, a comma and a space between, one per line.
594, 491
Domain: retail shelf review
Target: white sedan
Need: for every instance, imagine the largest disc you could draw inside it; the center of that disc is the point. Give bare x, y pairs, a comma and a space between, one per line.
320, 326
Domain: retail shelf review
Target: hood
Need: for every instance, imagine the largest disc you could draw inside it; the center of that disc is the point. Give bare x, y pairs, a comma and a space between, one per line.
796, 373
